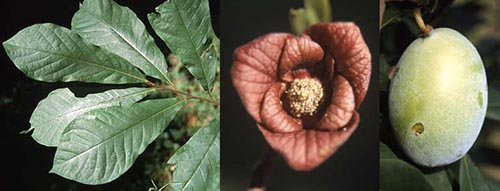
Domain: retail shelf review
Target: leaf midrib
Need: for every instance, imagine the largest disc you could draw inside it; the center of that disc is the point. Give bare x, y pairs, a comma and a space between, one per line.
467, 173
126, 41
203, 158
99, 103
82, 61
191, 40
122, 131
58, 117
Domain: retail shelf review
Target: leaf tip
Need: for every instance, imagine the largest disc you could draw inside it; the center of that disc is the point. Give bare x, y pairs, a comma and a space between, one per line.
53, 170
27, 130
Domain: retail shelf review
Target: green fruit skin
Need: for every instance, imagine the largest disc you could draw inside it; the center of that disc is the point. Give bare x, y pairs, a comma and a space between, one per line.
440, 83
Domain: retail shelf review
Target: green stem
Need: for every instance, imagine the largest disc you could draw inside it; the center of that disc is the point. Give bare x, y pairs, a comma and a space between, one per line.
426, 29
189, 96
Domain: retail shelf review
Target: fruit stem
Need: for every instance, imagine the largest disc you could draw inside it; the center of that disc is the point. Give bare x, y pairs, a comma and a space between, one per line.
426, 29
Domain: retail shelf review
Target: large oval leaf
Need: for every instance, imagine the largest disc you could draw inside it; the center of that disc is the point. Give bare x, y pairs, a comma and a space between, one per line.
198, 161
493, 183
51, 53
102, 144
396, 174
385, 152
439, 179
117, 29
61, 106
470, 179
186, 28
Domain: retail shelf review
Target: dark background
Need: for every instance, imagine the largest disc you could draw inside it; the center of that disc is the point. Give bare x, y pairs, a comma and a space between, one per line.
24, 164
355, 165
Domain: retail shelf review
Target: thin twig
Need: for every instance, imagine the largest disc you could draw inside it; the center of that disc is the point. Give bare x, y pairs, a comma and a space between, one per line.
189, 96
149, 83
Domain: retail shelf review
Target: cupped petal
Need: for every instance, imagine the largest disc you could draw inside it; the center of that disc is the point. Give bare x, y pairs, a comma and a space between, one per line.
298, 51
352, 56
328, 67
341, 107
307, 148
254, 69
274, 117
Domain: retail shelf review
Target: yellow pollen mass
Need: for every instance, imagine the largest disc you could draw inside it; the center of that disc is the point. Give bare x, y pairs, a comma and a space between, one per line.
304, 96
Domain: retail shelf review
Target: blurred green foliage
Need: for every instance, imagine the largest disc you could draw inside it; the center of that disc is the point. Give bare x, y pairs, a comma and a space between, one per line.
314, 11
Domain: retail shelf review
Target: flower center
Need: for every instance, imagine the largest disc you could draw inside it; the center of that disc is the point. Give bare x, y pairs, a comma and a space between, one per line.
304, 96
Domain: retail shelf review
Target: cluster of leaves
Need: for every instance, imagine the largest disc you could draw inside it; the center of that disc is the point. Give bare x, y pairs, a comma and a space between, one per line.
99, 136
397, 174
398, 30
195, 115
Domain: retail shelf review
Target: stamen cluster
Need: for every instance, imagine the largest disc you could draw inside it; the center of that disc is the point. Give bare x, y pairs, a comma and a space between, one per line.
304, 96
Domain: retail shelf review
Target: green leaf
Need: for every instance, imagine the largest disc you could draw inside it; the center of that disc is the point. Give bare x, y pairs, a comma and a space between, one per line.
385, 152
398, 175
453, 171
55, 112
393, 14
470, 179
395, 174
436, 178
198, 161
439, 180
51, 53
493, 111
186, 28
102, 144
493, 184
117, 29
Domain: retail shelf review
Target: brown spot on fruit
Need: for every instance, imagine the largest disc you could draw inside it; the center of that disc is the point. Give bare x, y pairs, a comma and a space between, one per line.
418, 129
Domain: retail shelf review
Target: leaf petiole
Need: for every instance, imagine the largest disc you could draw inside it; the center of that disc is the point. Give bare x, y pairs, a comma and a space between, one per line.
165, 87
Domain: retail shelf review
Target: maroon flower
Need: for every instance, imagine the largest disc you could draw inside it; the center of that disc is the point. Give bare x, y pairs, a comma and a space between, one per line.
304, 91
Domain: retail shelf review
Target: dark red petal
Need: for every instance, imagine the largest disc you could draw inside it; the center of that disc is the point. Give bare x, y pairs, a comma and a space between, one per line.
298, 51
254, 69
306, 149
341, 107
274, 117
328, 67
352, 57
